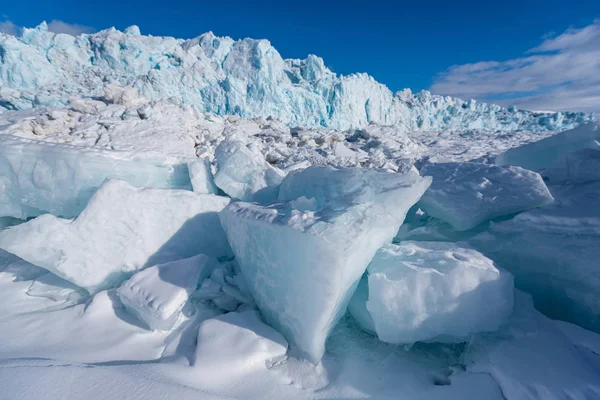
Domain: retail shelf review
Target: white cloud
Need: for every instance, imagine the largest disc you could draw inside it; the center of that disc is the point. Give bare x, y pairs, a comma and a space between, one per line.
56, 26
562, 73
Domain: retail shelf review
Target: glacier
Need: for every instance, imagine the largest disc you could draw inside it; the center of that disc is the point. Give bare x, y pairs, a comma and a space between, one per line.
248, 78
317, 240
122, 229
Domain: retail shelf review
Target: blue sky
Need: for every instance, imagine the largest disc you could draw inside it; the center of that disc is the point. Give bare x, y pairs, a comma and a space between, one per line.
420, 45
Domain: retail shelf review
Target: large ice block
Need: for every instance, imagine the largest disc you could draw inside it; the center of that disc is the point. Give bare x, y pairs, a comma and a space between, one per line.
434, 291
303, 257
123, 229
578, 167
554, 253
467, 194
201, 177
39, 177
544, 153
157, 294
244, 174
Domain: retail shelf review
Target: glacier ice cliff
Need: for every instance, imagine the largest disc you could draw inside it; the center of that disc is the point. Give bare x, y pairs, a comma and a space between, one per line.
248, 78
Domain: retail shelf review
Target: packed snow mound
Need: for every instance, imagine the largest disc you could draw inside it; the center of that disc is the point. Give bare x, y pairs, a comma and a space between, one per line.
156, 295
255, 345
244, 174
429, 291
247, 77
201, 177
467, 194
38, 177
303, 256
553, 253
123, 229
544, 153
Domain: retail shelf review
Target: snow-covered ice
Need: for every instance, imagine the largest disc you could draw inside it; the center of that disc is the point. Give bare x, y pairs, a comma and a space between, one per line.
122, 229
467, 194
38, 177
302, 257
433, 291
255, 344
544, 153
158, 294
244, 174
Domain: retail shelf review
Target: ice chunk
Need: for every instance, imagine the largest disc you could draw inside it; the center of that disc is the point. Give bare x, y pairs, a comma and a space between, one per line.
303, 259
231, 344
467, 194
122, 230
157, 294
358, 307
434, 291
553, 253
38, 177
244, 174
519, 360
201, 177
577, 167
544, 153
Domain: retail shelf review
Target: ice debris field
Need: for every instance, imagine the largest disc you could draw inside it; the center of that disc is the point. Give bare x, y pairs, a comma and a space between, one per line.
202, 219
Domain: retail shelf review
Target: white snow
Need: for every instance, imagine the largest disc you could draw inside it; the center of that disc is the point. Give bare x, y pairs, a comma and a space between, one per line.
467, 194
302, 258
38, 177
244, 174
428, 291
122, 230
256, 344
157, 294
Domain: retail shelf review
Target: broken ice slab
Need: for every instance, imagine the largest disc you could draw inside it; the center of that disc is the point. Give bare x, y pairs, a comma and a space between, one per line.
303, 256
432, 291
467, 194
122, 230
158, 294
39, 177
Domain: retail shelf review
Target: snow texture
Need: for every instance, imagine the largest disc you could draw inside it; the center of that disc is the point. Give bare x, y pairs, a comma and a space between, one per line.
303, 256
157, 294
247, 77
429, 291
123, 229
544, 153
244, 174
255, 344
38, 177
467, 194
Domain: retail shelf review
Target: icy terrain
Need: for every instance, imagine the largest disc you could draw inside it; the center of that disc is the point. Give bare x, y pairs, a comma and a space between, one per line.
248, 78
341, 243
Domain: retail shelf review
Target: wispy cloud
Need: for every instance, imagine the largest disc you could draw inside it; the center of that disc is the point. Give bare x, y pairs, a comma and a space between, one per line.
56, 26
562, 73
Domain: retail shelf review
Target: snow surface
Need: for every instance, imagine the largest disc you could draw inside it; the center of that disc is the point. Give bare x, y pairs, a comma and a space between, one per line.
247, 77
157, 294
38, 178
467, 194
318, 240
428, 291
130, 227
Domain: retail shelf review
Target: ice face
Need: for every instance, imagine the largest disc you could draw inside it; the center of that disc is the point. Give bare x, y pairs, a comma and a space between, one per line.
244, 174
247, 77
201, 177
122, 229
231, 344
578, 167
433, 291
467, 194
157, 294
303, 257
553, 253
544, 153
40, 177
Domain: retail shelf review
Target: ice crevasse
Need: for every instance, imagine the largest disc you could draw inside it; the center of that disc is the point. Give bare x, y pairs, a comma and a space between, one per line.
248, 78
